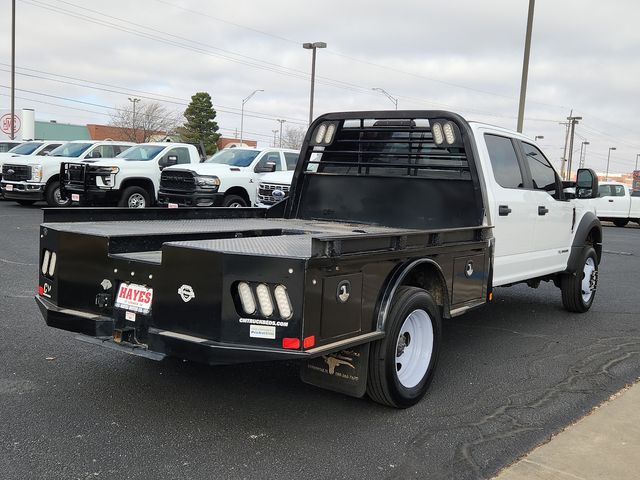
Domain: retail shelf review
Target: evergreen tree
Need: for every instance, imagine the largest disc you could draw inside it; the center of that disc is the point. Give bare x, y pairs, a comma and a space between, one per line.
201, 127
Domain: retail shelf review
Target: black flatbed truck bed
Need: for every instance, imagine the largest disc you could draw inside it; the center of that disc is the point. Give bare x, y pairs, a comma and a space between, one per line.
323, 271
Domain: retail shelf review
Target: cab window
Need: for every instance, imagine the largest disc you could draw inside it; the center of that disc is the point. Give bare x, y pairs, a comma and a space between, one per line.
270, 157
291, 159
504, 161
181, 152
543, 175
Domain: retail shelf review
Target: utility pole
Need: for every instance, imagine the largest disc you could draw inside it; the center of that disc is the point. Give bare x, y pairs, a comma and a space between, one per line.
274, 137
313, 47
582, 159
606, 175
13, 69
133, 119
281, 122
564, 154
637, 155
525, 66
573, 121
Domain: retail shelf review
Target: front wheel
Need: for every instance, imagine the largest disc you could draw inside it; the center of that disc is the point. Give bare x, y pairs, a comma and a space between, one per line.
579, 289
234, 201
53, 196
402, 364
134, 197
620, 222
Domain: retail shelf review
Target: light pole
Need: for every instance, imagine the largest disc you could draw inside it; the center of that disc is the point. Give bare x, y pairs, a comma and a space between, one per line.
582, 159
390, 97
313, 47
281, 122
133, 118
637, 155
274, 137
538, 137
245, 100
13, 69
525, 66
606, 175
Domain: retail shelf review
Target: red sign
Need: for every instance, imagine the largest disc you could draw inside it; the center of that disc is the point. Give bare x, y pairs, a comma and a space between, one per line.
5, 124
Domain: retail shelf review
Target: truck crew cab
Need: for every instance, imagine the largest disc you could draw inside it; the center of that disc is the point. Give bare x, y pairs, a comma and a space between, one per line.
229, 178
395, 221
129, 180
37, 177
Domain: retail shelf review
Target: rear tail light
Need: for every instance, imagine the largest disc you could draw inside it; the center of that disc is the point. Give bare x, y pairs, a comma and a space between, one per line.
282, 300
49, 261
309, 341
246, 298
264, 299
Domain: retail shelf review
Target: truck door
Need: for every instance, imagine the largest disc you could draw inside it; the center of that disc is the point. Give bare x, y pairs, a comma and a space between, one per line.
554, 216
620, 204
511, 211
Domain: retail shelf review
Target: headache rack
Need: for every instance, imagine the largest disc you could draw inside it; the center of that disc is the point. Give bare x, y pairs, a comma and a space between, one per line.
411, 169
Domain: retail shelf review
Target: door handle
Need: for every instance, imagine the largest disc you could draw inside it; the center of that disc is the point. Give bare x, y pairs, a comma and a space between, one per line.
611, 201
542, 210
504, 210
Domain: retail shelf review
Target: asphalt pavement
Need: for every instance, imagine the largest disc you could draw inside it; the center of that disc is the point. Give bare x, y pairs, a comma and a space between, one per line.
510, 376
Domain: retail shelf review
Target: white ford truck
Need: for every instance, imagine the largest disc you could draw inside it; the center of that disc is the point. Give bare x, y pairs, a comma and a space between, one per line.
396, 221
227, 179
130, 180
27, 148
37, 177
616, 204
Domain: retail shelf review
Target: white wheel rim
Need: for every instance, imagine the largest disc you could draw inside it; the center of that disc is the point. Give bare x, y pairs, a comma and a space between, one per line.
57, 197
414, 347
136, 201
235, 205
589, 280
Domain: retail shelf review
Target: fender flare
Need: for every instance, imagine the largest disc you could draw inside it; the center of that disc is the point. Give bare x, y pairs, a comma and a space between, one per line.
588, 222
396, 280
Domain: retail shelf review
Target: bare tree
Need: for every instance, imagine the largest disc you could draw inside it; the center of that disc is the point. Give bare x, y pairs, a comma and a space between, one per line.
144, 122
292, 137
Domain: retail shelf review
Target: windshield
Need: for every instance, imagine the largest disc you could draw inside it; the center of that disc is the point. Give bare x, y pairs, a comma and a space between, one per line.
26, 148
70, 150
234, 157
141, 152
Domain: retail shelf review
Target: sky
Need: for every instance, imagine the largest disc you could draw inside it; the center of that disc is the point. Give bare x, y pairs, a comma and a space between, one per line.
77, 60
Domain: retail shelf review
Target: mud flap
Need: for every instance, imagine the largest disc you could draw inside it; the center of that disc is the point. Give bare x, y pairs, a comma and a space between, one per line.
344, 371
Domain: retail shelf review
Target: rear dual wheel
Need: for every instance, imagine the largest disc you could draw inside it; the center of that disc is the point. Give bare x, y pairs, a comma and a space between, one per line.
402, 364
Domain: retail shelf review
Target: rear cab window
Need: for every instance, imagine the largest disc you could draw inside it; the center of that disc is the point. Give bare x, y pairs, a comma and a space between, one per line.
504, 161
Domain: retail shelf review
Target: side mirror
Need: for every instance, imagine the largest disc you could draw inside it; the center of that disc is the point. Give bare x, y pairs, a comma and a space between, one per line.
268, 168
586, 183
168, 161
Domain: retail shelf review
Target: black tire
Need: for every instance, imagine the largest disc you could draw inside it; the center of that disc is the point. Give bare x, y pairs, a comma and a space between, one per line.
135, 197
26, 203
383, 382
234, 201
52, 196
620, 222
571, 284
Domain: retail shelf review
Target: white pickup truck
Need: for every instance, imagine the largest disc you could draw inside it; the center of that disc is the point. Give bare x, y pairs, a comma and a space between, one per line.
129, 180
615, 204
227, 179
37, 177
27, 148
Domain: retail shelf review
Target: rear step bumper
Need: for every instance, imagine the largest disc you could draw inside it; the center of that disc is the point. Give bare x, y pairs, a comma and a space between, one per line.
99, 331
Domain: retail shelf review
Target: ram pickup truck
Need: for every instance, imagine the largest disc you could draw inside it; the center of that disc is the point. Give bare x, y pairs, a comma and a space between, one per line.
129, 180
395, 221
37, 177
616, 204
229, 178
